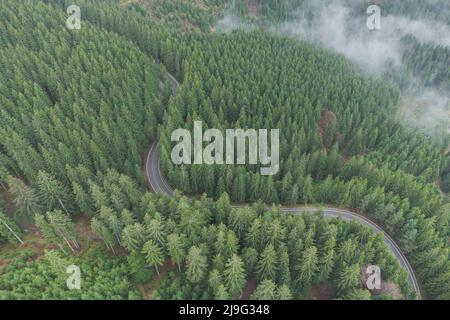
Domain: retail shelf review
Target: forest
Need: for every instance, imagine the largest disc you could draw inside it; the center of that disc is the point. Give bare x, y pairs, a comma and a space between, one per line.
80, 109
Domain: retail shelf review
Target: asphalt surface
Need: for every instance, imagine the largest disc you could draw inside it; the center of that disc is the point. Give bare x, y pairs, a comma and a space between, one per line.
158, 184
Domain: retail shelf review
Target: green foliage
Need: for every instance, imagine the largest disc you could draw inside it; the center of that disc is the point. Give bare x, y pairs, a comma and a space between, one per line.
216, 268
82, 119
74, 131
9, 230
102, 277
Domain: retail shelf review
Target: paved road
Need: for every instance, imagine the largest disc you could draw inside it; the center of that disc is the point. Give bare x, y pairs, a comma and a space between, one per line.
158, 184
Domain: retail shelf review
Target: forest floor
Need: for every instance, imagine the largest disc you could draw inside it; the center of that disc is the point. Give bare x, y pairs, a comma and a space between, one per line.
250, 287
322, 291
32, 242
147, 289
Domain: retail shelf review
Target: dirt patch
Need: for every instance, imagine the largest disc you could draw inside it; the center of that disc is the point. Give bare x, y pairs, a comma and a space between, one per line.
32, 242
327, 122
87, 238
83, 228
249, 288
147, 289
322, 291
8, 201
387, 287
390, 288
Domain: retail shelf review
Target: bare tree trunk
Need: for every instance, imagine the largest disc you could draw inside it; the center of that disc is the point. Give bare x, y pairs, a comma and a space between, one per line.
68, 243
110, 246
118, 240
62, 248
62, 206
12, 231
75, 243
62, 235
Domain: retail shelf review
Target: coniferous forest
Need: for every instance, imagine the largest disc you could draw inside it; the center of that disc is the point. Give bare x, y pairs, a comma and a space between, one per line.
80, 110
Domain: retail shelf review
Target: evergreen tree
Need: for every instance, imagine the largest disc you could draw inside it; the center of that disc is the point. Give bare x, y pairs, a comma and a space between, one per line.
196, 265
175, 249
266, 290
25, 200
266, 266
153, 254
234, 276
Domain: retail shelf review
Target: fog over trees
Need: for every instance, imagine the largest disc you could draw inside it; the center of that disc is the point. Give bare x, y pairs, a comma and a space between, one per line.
79, 110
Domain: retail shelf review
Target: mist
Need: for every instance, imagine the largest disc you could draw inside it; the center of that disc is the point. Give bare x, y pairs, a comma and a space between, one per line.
427, 109
338, 27
230, 22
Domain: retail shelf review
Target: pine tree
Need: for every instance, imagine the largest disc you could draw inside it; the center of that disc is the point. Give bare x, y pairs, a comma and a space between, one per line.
52, 192
196, 265
223, 208
47, 231
214, 280
266, 290
221, 293
284, 274
175, 249
283, 293
234, 276
266, 266
99, 229
307, 265
58, 265
155, 230
255, 235
64, 227
153, 254
133, 236
25, 200
347, 277
82, 199
250, 257
113, 223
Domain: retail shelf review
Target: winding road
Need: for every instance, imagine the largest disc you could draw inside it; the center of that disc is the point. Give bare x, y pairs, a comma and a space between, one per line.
158, 184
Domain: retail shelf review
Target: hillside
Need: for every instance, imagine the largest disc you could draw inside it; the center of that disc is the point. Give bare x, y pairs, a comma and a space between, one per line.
80, 110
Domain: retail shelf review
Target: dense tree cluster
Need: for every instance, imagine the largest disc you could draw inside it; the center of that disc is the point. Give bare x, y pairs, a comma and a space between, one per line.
382, 137
432, 10
219, 248
427, 61
74, 105
102, 277
79, 108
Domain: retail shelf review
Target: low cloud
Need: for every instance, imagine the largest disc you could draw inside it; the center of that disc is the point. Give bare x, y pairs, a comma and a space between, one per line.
336, 26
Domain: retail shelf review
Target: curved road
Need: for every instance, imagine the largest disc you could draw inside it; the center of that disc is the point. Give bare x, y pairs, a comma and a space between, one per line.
158, 184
